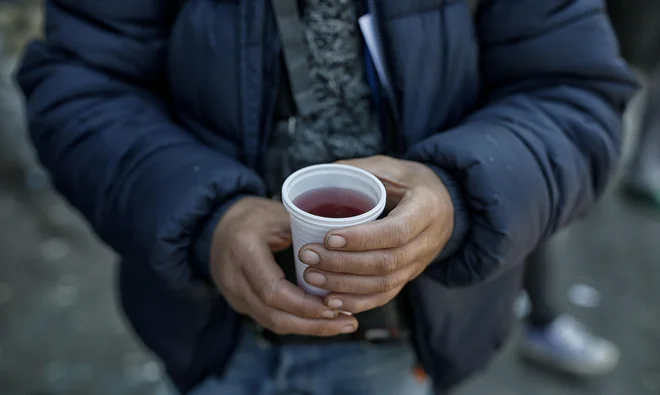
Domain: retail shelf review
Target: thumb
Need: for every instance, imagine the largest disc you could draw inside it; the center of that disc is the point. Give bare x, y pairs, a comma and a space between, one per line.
277, 229
387, 169
274, 218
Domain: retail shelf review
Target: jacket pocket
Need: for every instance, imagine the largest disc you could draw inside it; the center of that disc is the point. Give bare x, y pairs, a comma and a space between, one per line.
191, 330
457, 331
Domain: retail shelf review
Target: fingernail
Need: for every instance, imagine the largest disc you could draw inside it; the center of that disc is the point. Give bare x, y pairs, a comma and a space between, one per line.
335, 303
315, 278
336, 242
329, 314
348, 329
309, 257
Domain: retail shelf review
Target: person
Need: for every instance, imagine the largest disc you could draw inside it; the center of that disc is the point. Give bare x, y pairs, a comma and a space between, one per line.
638, 32
554, 339
167, 126
642, 181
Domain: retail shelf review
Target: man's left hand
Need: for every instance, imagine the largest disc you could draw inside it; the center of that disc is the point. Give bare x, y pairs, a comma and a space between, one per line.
366, 266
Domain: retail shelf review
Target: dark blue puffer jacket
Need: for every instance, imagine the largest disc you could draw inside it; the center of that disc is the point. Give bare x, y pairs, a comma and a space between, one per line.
153, 120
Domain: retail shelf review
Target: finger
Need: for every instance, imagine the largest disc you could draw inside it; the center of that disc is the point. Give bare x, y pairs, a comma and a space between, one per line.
267, 280
356, 304
279, 293
279, 242
369, 263
383, 167
280, 217
276, 221
360, 285
410, 217
284, 323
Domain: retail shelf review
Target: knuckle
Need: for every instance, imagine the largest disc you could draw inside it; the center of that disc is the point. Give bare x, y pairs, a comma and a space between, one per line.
386, 264
388, 161
312, 311
386, 283
237, 246
399, 258
391, 261
393, 237
402, 233
338, 263
324, 330
268, 293
393, 281
241, 239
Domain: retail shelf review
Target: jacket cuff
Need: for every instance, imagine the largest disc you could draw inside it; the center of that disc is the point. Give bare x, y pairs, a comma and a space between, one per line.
461, 214
204, 241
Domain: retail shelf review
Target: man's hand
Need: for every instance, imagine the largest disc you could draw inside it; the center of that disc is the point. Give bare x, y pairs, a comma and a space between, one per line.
366, 266
244, 270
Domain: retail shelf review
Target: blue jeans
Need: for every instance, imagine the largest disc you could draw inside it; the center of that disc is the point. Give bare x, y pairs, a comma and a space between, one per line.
258, 368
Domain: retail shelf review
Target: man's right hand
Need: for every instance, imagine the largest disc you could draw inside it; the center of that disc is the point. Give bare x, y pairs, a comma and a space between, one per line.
245, 272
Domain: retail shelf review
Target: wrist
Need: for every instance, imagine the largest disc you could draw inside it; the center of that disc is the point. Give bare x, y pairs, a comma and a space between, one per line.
461, 215
204, 241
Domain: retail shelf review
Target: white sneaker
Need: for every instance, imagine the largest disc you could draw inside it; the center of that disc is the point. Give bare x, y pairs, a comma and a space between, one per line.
566, 345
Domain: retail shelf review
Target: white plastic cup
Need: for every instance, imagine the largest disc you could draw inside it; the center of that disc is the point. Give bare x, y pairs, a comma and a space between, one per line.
308, 228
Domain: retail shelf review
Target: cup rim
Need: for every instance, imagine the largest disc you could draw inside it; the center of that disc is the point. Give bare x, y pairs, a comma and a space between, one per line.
304, 215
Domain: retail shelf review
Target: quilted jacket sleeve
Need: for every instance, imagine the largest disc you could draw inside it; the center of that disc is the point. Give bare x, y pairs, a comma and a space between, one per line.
100, 127
544, 144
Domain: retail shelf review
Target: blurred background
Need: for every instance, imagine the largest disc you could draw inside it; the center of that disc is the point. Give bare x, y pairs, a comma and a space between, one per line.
61, 332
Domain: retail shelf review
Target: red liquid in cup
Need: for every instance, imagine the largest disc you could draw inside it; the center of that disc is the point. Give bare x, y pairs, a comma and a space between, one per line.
334, 203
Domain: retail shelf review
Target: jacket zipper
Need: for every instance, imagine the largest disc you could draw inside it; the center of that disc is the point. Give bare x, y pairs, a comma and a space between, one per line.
392, 136
275, 52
